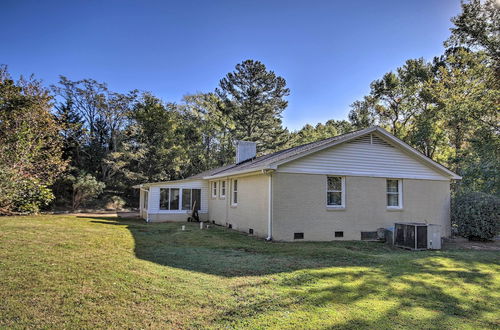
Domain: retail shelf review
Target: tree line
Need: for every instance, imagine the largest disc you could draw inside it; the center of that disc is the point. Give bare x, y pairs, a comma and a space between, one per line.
66, 144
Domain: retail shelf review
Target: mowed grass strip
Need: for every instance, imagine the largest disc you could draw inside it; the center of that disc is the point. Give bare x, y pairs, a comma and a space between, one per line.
59, 271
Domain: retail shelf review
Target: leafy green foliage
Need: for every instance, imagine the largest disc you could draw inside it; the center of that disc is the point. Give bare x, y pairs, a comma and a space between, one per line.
319, 132
30, 145
478, 25
85, 188
115, 203
476, 215
31, 196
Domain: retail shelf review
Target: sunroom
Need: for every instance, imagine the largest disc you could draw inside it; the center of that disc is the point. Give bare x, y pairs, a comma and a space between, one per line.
173, 200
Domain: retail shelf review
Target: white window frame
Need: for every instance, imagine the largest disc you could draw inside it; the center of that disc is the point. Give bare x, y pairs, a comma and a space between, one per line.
400, 194
181, 191
222, 193
342, 192
190, 198
214, 189
234, 192
170, 210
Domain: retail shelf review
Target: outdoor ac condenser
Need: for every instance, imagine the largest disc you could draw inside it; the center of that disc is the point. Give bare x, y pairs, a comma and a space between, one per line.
417, 236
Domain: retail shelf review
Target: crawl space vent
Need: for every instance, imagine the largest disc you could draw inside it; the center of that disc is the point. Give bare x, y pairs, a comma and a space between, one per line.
298, 235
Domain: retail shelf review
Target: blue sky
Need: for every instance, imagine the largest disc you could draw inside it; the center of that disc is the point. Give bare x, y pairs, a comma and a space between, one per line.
328, 51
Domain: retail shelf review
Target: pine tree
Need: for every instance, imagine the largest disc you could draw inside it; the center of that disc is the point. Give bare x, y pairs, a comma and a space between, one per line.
253, 99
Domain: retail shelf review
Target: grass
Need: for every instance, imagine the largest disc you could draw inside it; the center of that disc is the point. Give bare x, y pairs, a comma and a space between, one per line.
83, 272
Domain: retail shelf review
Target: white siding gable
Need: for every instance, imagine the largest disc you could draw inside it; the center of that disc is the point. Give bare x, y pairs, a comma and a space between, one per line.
154, 195
368, 155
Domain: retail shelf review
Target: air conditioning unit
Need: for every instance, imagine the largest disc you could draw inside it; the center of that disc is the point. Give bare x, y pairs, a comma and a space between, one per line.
417, 236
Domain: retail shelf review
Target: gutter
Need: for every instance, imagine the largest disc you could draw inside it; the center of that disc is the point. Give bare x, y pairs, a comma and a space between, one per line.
256, 170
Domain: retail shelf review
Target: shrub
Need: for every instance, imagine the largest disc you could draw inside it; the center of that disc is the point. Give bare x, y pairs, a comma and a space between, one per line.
476, 215
23, 194
32, 196
115, 203
85, 188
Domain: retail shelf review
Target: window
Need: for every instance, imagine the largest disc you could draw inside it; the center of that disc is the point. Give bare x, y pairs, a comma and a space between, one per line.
190, 198
394, 194
250, 231
298, 235
235, 192
223, 189
164, 199
335, 191
214, 189
169, 199
174, 198
339, 234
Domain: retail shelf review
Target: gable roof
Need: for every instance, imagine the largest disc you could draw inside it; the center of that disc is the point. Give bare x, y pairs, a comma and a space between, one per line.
271, 161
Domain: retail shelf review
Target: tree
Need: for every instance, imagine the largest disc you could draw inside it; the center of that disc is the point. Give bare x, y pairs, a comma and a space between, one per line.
362, 113
397, 96
465, 95
254, 100
94, 124
102, 116
30, 144
310, 134
478, 25
210, 142
158, 135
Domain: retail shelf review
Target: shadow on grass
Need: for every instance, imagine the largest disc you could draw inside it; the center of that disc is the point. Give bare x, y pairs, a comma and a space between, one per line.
315, 275
223, 252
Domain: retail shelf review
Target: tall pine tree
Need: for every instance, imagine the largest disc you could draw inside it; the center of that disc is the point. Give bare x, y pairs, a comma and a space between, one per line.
254, 99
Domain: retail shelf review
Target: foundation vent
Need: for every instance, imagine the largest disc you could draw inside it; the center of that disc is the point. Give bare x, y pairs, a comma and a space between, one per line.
298, 235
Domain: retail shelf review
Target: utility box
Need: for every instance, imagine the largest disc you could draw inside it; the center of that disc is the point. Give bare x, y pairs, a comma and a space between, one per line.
417, 236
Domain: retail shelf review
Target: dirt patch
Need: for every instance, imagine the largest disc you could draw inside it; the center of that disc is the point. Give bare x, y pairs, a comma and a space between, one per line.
111, 214
463, 243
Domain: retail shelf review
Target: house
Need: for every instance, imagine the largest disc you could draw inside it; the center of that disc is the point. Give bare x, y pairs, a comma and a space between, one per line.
340, 188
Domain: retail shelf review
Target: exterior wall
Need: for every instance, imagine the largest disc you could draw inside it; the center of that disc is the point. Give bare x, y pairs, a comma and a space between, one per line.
252, 209
299, 205
368, 155
154, 212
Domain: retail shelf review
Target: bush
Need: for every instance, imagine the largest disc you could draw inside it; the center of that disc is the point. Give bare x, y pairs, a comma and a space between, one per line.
32, 196
115, 203
85, 188
476, 215
21, 193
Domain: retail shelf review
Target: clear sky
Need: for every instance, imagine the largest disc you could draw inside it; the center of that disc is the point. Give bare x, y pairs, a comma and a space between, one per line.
328, 51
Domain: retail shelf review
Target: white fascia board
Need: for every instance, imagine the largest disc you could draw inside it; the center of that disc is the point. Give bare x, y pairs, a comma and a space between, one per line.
238, 173
154, 184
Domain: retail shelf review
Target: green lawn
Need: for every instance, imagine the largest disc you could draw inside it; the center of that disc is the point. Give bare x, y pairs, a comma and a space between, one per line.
84, 272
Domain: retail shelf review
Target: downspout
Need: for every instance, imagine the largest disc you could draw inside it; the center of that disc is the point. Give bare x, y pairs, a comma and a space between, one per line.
147, 205
269, 173
229, 192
